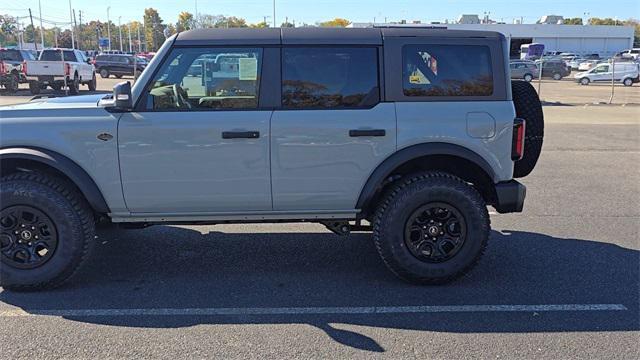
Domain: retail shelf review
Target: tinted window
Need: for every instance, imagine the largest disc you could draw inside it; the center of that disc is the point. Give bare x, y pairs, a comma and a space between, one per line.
447, 70
10, 55
207, 78
330, 77
54, 55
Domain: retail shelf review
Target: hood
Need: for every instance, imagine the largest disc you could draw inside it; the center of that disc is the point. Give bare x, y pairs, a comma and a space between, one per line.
69, 102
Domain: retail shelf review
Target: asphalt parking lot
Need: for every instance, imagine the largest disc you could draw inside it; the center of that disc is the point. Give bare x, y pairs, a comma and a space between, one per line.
560, 280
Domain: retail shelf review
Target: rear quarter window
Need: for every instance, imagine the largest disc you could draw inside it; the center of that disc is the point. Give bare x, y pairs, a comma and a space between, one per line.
447, 70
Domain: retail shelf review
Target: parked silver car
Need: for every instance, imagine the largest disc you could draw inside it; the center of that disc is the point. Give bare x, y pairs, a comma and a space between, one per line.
523, 70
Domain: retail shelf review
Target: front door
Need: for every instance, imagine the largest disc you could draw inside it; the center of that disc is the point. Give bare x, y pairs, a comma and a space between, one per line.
198, 141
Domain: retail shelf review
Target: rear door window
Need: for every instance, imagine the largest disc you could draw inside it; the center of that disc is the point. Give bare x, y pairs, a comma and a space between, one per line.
329, 78
10, 55
447, 70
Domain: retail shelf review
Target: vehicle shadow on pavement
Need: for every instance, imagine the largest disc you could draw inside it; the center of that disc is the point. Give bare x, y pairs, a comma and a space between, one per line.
174, 267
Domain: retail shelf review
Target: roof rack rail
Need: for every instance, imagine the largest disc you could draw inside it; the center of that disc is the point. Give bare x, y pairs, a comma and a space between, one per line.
409, 26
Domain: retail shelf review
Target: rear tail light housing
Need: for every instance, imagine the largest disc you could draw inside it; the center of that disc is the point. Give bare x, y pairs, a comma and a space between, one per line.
67, 69
24, 68
517, 144
1, 67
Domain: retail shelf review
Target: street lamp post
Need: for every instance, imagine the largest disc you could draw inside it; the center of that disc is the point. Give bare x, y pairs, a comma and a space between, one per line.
120, 31
109, 27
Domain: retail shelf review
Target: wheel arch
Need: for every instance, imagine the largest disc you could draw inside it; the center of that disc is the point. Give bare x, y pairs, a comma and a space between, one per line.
451, 158
16, 158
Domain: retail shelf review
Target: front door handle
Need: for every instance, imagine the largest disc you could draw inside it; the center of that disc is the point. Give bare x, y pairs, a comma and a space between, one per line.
240, 134
367, 132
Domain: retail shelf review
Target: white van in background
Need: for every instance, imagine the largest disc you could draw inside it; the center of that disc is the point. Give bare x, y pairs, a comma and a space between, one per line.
626, 73
631, 54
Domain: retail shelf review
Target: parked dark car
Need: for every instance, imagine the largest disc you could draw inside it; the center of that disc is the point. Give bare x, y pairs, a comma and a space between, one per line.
556, 69
592, 57
117, 65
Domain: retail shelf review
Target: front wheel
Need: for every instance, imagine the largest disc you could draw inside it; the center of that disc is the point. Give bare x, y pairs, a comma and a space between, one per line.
528, 77
431, 228
104, 73
12, 83
557, 76
46, 231
627, 82
585, 81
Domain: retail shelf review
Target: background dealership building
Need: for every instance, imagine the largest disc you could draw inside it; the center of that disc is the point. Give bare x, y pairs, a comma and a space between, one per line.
604, 40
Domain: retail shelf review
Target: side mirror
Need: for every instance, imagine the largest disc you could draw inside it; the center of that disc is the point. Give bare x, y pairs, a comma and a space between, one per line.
122, 96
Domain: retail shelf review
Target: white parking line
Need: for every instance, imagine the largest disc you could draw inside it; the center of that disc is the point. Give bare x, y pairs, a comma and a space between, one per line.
314, 310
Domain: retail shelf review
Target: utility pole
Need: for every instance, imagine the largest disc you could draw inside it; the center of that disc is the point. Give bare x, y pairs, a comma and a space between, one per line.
139, 42
75, 25
80, 30
195, 23
34, 30
129, 31
120, 31
274, 13
109, 27
41, 27
73, 43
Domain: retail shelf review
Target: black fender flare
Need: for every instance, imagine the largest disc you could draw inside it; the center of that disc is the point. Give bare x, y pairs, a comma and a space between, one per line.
386, 168
66, 166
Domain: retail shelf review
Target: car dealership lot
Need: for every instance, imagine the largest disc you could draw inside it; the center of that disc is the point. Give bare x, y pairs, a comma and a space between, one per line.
560, 280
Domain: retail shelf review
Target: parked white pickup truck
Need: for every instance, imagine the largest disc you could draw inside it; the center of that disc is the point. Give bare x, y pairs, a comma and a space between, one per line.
59, 67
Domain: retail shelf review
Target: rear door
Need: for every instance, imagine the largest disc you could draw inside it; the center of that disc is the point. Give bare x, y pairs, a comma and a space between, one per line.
198, 144
332, 129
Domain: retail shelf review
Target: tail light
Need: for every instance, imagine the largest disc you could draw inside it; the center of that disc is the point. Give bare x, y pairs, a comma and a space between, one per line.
67, 69
24, 68
1, 67
517, 144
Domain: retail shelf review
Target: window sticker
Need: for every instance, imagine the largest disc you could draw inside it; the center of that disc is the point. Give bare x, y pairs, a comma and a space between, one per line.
248, 69
430, 61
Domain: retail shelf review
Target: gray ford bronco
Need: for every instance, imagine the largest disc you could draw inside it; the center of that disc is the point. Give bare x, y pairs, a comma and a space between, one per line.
409, 133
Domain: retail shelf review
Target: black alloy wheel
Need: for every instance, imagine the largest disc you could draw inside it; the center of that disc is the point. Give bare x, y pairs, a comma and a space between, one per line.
435, 232
28, 237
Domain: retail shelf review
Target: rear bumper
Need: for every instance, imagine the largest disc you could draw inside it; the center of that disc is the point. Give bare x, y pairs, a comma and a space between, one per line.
510, 196
45, 79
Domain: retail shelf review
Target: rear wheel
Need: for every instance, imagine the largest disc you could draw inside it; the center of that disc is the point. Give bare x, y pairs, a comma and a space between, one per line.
557, 76
529, 108
92, 84
628, 82
46, 231
34, 87
431, 228
74, 85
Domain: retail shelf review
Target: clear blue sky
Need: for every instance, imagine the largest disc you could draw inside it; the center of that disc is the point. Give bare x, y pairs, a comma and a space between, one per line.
320, 10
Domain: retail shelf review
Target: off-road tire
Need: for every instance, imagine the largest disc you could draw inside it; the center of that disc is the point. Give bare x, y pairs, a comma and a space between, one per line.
34, 87
56, 86
403, 199
12, 83
74, 86
93, 83
528, 107
72, 218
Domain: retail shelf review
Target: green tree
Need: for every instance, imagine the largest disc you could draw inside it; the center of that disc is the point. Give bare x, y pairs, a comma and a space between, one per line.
337, 22
572, 21
154, 28
8, 29
260, 25
185, 21
287, 24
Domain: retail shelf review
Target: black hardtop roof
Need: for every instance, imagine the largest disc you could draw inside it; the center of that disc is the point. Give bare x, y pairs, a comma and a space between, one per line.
317, 36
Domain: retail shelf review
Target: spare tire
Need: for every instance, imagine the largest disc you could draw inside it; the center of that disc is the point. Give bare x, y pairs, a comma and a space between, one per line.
529, 108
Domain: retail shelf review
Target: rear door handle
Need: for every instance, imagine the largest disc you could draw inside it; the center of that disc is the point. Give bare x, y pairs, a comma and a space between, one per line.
240, 134
372, 132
